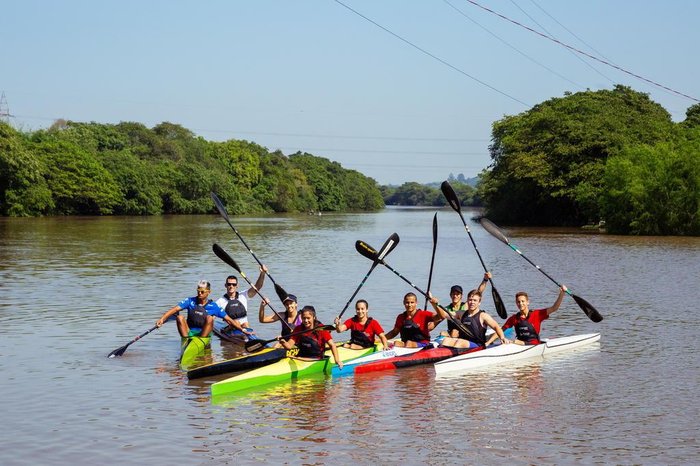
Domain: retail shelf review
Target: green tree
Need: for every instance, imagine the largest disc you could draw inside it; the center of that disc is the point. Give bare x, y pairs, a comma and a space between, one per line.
78, 182
654, 189
548, 162
23, 189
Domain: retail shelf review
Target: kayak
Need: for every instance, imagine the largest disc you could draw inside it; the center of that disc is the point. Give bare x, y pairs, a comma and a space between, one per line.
240, 363
349, 367
221, 330
191, 348
284, 370
501, 354
424, 356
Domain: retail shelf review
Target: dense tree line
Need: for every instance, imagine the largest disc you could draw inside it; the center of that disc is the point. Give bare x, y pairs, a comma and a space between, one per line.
416, 194
610, 155
129, 169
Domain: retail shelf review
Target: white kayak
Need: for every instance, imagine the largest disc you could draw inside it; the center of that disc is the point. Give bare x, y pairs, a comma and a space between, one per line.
500, 354
349, 366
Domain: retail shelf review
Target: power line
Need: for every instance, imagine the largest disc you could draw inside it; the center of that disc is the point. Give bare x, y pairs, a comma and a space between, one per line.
513, 47
434, 57
605, 62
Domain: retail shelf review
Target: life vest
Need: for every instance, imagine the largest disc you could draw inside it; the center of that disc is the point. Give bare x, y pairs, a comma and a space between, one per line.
475, 327
234, 308
360, 337
410, 331
310, 346
197, 317
453, 312
525, 330
285, 329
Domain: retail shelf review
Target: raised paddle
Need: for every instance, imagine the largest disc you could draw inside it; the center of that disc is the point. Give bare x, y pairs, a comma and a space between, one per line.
224, 256
432, 258
369, 252
386, 248
119, 351
222, 210
585, 306
256, 345
454, 203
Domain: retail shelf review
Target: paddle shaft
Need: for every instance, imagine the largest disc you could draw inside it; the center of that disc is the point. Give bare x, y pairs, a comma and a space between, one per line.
456, 322
452, 199
386, 248
119, 351
222, 210
224, 256
432, 257
587, 307
259, 344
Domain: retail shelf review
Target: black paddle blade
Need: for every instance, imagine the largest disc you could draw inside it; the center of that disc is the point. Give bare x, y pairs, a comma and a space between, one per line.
451, 196
253, 346
493, 229
387, 247
588, 308
219, 205
119, 351
498, 303
366, 250
223, 255
281, 293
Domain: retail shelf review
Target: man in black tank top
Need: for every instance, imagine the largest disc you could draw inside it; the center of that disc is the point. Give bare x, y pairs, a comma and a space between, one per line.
474, 321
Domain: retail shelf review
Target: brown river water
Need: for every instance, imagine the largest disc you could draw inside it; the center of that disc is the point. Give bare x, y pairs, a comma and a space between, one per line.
74, 289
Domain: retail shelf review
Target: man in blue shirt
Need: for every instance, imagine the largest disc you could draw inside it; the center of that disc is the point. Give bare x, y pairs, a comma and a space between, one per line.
200, 313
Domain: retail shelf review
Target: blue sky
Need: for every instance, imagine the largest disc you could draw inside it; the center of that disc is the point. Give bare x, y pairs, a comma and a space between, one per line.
311, 75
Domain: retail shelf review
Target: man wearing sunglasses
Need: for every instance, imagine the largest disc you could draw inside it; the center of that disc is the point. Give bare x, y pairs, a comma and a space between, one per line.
201, 311
235, 304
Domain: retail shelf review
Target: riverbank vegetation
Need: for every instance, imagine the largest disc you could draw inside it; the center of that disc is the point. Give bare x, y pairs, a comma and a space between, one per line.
611, 155
128, 169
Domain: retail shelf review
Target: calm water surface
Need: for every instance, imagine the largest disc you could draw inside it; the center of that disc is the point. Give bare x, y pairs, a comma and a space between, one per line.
74, 289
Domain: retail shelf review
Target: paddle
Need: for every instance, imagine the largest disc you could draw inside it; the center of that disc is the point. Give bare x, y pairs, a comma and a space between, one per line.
222, 210
223, 255
256, 345
454, 203
585, 306
369, 252
119, 351
386, 248
432, 258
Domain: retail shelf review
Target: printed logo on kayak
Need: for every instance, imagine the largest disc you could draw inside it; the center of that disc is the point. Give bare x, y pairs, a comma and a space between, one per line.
292, 352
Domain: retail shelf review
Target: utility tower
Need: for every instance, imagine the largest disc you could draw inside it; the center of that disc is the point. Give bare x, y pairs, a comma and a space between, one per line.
4, 109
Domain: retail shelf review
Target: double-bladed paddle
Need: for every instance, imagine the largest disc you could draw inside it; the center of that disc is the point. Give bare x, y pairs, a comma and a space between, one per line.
386, 248
256, 345
432, 257
585, 306
222, 211
119, 351
224, 256
452, 199
370, 253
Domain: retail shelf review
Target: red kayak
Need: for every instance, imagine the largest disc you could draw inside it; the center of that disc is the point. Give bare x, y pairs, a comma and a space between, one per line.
426, 356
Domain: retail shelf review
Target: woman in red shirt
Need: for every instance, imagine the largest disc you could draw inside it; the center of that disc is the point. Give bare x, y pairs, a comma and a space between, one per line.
363, 329
312, 345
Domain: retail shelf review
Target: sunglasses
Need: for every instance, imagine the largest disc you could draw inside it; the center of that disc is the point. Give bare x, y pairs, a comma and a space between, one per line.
202, 291
232, 284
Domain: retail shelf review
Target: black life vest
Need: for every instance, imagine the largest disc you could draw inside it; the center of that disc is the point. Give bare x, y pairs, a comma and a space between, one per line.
475, 327
410, 331
450, 325
525, 331
309, 346
234, 308
360, 337
197, 317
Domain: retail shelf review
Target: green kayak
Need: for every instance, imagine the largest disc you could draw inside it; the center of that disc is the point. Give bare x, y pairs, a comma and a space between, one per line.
285, 370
